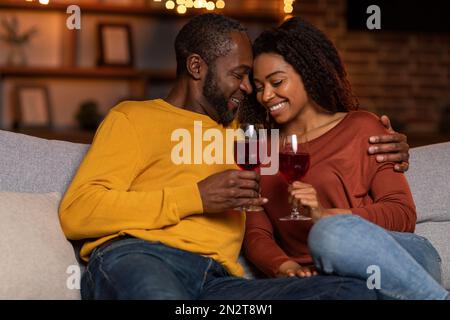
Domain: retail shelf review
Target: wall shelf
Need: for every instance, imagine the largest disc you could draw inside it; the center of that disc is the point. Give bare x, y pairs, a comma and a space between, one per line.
86, 73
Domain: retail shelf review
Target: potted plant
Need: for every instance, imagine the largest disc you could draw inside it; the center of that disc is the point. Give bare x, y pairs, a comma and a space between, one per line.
88, 116
15, 40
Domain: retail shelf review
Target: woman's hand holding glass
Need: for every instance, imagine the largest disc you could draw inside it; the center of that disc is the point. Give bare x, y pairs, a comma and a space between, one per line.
305, 195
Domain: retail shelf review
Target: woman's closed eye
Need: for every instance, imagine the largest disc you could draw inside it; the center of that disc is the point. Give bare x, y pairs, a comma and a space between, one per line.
277, 83
259, 88
274, 84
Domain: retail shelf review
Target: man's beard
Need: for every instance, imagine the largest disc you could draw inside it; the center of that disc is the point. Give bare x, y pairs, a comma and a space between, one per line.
217, 99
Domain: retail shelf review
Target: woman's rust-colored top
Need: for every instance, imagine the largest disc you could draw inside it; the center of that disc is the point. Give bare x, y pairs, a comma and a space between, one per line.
345, 177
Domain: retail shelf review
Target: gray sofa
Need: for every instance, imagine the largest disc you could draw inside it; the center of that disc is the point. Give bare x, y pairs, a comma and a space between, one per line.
38, 263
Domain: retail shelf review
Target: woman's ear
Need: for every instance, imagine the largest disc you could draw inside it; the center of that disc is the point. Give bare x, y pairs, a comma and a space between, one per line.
195, 66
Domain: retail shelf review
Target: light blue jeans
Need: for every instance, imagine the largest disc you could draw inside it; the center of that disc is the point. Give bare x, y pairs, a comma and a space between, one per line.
408, 266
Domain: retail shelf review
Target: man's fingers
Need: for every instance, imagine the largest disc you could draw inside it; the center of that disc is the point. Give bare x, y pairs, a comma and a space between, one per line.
386, 122
403, 167
241, 202
247, 174
387, 138
248, 184
394, 157
384, 148
242, 193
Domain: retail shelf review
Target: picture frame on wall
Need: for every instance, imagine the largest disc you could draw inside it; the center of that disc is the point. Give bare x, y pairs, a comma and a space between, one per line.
32, 107
115, 45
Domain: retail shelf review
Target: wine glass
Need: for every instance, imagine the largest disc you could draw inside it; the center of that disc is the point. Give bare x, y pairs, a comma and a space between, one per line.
246, 152
294, 164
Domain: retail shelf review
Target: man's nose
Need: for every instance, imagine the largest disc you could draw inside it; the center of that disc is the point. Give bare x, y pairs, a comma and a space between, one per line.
246, 86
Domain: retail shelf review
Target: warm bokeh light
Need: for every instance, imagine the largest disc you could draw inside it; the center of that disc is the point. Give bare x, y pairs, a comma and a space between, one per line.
220, 4
181, 2
210, 5
199, 4
43, 1
189, 3
170, 5
181, 9
288, 8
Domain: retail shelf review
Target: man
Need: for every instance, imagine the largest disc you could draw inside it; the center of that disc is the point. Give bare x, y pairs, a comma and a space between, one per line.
157, 230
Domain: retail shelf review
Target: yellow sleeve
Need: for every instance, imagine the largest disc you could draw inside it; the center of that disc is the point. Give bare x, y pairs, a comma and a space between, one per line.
99, 203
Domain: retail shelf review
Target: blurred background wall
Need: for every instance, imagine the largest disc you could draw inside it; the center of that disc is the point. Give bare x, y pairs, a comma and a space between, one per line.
402, 73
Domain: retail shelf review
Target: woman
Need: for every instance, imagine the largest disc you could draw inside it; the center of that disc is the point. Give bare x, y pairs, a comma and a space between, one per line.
363, 214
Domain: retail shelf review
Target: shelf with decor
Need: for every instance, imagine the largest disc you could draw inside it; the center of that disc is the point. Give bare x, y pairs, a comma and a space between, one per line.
81, 72
72, 59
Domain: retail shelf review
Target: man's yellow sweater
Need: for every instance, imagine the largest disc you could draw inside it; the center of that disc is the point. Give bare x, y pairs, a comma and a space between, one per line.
128, 184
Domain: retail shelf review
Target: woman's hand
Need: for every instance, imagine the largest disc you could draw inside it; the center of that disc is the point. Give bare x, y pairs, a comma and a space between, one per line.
304, 194
293, 269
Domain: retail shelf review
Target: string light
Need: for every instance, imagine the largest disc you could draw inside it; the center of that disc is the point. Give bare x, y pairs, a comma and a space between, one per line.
181, 9
210, 5
189, 4
220, 4
170, 5
288, 6
183, 5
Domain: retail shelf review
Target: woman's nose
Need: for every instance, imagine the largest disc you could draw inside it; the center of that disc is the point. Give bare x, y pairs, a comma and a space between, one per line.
268, 94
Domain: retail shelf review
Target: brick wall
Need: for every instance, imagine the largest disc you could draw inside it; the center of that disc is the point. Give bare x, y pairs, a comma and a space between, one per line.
403, 75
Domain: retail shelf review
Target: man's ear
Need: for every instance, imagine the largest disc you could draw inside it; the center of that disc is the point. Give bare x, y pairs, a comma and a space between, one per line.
195, 66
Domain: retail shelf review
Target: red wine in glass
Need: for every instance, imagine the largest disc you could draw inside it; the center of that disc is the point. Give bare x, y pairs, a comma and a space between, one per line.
294, 164
246, 152
246, 156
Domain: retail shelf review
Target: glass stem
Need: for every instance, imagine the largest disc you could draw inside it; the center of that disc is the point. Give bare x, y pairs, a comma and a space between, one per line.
294, 212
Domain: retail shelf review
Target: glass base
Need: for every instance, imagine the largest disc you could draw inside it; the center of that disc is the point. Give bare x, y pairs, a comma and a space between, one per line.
250, 208
295, 218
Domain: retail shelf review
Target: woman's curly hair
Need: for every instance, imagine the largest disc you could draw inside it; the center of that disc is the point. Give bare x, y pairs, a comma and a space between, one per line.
314, 57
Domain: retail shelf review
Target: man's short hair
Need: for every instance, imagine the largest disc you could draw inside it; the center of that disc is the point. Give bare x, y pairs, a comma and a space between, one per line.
206, 35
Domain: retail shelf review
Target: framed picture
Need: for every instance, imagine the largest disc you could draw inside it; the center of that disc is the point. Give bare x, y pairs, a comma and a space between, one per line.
115, 45
32, 107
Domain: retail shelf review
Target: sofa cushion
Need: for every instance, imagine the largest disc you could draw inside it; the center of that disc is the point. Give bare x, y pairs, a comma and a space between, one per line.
429, 179
31, 164
35, 254
437, 234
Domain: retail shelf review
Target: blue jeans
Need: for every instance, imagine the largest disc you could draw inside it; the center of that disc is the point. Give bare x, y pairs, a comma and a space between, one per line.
347, 245
137, 269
